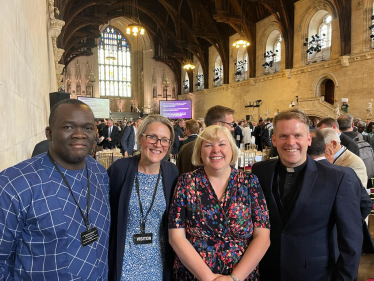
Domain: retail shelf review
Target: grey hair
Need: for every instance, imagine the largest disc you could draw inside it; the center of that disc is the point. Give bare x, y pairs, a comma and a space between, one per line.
330, 135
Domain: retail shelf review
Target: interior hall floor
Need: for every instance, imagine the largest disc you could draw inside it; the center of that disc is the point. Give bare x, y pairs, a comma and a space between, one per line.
366, 269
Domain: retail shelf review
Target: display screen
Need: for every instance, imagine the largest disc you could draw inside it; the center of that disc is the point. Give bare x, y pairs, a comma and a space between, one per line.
100, 107
175, 109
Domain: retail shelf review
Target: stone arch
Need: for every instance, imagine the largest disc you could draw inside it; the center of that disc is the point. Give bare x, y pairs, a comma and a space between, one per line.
313, 8
319, 83
264, 41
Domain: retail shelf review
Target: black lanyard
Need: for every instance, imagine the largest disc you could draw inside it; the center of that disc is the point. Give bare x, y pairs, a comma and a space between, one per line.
85, 218
144, 218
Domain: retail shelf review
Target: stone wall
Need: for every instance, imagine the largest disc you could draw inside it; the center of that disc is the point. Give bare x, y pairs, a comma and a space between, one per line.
27, 75
352, 74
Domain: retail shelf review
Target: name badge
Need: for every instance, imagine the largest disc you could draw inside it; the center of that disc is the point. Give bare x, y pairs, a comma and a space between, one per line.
89, 236
143, 238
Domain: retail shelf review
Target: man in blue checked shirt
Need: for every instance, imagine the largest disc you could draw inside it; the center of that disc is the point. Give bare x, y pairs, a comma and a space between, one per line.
54, 208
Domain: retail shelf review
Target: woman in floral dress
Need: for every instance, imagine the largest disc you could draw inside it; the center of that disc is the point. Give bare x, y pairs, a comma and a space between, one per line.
218, 221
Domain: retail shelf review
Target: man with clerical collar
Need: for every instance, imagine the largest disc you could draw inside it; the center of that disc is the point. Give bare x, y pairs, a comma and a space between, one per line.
54, 207
306, 200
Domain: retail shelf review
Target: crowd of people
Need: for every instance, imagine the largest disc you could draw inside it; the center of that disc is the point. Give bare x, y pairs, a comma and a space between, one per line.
175, 208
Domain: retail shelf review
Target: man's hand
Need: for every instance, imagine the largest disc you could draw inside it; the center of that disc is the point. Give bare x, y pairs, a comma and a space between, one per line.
109, 139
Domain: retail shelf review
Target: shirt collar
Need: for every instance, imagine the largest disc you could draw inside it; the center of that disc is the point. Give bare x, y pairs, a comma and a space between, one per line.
320, 158
293, 169
340, 151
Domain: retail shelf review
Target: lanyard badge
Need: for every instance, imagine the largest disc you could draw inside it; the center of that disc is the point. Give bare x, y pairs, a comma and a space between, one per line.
142, 237
91, 234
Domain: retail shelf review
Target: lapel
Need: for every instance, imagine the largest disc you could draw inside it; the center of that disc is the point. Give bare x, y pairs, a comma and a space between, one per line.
123, 205
340, 160
310, 178
267, 185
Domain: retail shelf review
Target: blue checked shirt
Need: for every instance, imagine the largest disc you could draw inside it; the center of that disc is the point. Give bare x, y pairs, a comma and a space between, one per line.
40, 224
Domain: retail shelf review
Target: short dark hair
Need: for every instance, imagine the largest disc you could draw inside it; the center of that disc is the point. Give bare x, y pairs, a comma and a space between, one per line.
345, 122
217, 113
328, 121
317, 146
54, 109
291, 114
193, 126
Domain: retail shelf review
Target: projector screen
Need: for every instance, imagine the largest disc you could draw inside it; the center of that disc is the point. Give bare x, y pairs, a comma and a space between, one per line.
100, 107
175, 109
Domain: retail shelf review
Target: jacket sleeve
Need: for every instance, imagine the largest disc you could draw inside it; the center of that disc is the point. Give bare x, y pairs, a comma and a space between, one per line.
11, 224
124, 138
349, 230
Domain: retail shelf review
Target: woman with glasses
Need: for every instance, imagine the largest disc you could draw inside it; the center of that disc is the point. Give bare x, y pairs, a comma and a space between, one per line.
218, 221
141, 188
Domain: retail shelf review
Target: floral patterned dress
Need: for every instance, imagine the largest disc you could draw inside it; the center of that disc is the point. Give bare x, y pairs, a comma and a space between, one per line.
220, 231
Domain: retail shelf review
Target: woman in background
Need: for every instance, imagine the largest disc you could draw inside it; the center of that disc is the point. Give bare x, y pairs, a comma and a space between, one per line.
140, 192
218, 221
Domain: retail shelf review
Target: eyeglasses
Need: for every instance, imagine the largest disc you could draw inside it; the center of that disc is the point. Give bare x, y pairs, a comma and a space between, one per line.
232, 125
152, 139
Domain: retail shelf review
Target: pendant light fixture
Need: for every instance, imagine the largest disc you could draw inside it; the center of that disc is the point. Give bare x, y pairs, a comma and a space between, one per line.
135, 27
241, 41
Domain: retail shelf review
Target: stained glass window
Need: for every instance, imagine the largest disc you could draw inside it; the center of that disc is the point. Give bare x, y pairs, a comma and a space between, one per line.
114, 64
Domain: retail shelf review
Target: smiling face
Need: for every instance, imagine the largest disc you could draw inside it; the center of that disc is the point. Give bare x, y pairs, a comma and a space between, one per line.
71, 136
154, 153
291, 138
216, 155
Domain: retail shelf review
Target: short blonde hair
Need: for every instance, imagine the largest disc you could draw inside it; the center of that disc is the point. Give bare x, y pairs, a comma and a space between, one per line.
151, 119
211, 134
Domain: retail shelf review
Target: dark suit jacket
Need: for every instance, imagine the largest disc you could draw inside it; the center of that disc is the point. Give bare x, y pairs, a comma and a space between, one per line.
366, 205
302, 248
121, 179
349, 143
128, 140
238, 132
184, 162
114, 135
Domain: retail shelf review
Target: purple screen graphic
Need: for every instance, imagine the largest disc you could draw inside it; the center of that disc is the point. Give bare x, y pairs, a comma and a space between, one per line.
176, 109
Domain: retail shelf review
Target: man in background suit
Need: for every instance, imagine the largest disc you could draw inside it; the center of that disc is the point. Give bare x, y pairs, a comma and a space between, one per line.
349, 143
344, 157
110, 134
128, 140
306, 200
320, 152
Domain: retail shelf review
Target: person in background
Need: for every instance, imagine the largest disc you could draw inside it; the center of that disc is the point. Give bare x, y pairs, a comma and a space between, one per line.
141, 188
110, 134
238, 134
179, 136
54, 208
218, 222
247, 134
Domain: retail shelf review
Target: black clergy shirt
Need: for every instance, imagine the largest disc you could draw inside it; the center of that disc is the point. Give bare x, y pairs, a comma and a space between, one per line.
286, 187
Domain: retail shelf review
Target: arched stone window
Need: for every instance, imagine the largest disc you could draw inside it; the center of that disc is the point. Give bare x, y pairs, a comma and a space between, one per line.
199, 79
241, 65
218, 72
272, 55
114, 64
319, 37
186, 84
372, 29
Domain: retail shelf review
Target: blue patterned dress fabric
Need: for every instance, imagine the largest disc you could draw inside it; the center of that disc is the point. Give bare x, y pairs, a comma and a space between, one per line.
145, 262
40, 223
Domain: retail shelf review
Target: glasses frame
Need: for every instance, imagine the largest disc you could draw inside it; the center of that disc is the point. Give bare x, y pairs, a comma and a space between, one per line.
233, 124
147, 137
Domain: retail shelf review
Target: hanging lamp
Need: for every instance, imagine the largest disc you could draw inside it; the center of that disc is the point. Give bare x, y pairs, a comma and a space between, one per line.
135, 27
241, 41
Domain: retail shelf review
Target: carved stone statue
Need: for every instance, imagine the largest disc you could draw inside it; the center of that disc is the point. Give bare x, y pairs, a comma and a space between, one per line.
369, 110
337, 110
